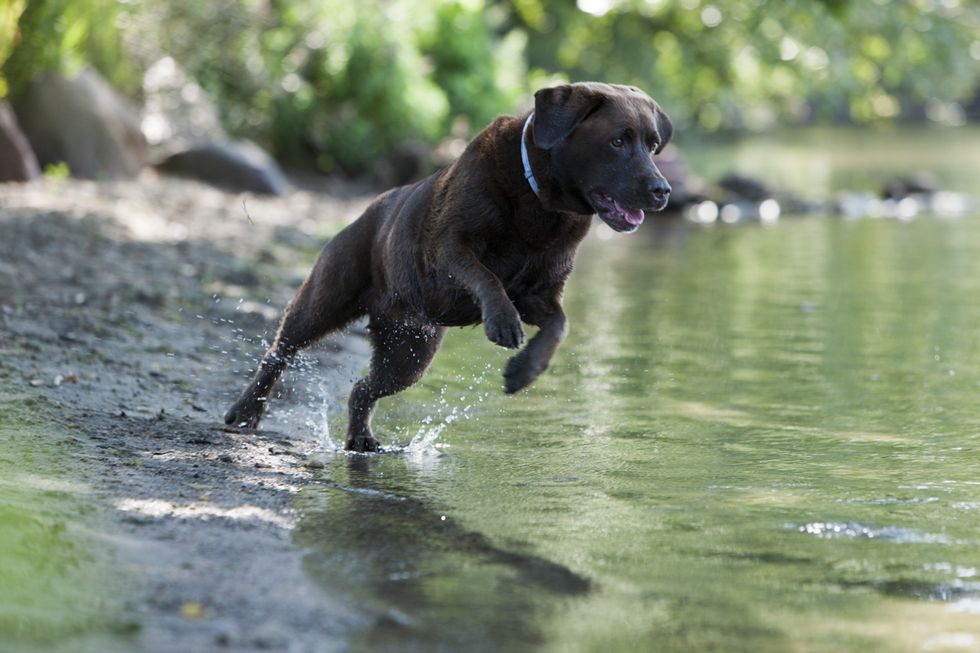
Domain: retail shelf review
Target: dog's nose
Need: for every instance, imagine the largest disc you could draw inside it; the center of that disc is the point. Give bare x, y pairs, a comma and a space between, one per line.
659, 188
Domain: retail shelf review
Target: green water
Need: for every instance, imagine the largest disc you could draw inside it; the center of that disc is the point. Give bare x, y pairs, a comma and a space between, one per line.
754, 439
59, 590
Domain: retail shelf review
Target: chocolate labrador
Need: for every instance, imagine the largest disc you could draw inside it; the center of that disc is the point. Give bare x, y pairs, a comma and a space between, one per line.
490, 238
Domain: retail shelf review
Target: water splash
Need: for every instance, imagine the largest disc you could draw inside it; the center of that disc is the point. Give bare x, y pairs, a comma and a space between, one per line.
319, 424
425, 441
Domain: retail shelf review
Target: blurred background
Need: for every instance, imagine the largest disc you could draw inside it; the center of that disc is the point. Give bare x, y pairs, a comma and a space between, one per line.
390, 89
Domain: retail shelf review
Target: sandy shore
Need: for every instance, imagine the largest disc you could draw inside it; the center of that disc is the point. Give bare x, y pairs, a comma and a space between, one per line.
134, 311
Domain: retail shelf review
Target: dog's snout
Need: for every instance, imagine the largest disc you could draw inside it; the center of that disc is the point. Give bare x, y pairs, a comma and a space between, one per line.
659, 188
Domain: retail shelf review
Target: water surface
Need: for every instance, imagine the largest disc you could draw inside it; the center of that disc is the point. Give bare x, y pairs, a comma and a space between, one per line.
59, 588
754, 439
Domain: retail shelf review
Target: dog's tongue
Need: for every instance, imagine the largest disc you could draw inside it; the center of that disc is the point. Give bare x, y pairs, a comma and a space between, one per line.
633, 216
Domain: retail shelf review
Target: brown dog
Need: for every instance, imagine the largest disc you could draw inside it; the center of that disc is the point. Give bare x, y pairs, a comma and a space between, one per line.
489, 238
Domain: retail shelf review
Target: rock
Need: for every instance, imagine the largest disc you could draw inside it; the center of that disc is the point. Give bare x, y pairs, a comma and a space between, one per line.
239, 166
17, 160
743, 187
901, 187
83, 122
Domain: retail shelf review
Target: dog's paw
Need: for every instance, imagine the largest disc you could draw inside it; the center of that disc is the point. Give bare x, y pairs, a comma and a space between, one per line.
246, 413
520, 372
361, 443
504, 329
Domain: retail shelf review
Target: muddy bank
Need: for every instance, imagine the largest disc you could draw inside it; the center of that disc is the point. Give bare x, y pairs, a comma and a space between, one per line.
133, 313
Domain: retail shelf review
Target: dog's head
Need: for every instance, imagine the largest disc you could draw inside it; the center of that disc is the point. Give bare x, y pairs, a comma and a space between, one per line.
602, 138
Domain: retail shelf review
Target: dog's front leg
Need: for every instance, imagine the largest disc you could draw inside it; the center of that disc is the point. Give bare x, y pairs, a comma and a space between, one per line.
526, 366
501, 321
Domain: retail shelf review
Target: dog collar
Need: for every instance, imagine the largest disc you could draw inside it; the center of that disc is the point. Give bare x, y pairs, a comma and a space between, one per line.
528, 174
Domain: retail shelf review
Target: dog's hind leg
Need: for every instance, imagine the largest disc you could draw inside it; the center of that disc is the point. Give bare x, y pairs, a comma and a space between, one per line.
329, 299
401, 355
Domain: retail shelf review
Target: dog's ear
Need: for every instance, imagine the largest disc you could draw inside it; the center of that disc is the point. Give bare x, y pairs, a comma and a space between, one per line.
665, 128
558, 110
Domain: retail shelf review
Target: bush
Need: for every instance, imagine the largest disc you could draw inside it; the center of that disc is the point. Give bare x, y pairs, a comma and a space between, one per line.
64, 35
336, 83
339, 84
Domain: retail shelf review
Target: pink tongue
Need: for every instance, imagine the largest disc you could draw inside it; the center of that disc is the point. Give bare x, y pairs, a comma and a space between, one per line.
634, 216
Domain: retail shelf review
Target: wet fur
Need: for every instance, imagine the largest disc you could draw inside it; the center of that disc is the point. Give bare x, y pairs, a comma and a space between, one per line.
470, 244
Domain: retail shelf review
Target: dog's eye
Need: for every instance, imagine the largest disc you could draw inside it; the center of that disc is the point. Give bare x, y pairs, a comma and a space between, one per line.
617, 142
653, 148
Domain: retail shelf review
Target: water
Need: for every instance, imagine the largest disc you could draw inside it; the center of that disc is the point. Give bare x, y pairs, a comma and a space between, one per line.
59, 590
755, 439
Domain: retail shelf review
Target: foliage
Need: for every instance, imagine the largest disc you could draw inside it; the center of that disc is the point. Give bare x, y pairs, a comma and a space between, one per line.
58, 170
375, 89
63, 35
479, 75
341, 84
9, 13
736, 63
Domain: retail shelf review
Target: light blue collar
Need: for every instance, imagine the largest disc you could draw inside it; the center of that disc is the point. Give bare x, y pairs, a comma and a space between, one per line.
528, 174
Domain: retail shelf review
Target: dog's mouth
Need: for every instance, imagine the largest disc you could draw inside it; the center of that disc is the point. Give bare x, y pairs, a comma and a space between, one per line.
621, 218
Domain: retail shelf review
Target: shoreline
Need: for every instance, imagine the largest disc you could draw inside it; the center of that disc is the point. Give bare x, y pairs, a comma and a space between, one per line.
133, 311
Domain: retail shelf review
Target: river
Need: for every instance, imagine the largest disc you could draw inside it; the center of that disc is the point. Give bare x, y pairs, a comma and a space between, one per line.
756, 438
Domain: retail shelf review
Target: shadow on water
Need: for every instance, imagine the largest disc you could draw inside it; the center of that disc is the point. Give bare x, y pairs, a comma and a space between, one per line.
425, 580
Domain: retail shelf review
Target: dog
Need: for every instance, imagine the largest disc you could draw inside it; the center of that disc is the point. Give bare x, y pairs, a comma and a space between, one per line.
490, 238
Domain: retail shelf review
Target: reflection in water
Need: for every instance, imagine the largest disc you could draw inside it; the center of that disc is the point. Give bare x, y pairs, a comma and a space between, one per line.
425, 580
754, 439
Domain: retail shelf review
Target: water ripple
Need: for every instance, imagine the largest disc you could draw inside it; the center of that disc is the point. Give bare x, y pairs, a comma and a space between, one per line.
833, 530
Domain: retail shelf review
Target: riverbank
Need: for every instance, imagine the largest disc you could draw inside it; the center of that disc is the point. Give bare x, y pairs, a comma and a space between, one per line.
130, 315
